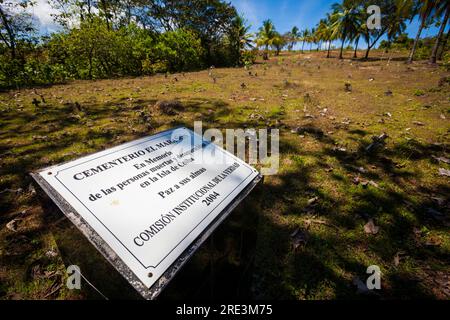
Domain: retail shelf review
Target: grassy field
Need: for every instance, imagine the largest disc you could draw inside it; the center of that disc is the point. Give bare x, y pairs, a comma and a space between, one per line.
306, 232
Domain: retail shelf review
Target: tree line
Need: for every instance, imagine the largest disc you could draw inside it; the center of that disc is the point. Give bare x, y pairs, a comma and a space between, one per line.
110, 38
347, 22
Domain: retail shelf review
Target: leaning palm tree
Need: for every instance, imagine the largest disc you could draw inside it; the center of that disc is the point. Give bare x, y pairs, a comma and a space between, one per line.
266, 36
442, 7
423, 8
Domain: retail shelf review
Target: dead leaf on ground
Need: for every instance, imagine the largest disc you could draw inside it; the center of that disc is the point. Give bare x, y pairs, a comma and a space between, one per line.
441, 159
313, 201
12, 225
439, 200
398, 257
444, 172
371, 228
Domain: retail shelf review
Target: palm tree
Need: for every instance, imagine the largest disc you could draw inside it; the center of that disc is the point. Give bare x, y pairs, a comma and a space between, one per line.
294, 35
423, 8
442, 7
279, 41
305, 35
312, 38
266, 36
396, 24
325, 31
345, 22
245, 37
358, 28
240, 36
318, 35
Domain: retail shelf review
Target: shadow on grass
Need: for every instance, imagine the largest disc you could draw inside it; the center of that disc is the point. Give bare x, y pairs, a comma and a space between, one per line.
251, 254
323, 268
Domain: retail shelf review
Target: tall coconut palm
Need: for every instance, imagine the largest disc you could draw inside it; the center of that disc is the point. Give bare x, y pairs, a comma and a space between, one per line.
423, 8
325, 32
321, 30
345, 22
356, 31
318, 35
279, 41
266, 37
240, 37
442, 7
312, 38
245, 37
304, 36
396, 20
293, 36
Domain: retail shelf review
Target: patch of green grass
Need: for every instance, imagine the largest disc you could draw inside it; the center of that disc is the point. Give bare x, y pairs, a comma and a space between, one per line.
337, 248
419, 92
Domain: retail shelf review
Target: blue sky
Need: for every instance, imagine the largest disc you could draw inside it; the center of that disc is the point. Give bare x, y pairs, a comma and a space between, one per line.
301, 13
284, 13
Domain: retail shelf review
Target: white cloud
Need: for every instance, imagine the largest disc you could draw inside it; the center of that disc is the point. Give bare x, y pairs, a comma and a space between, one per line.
252, 10
43, 12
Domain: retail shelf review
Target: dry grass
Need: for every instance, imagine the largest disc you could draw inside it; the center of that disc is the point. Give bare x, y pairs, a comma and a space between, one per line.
326, 161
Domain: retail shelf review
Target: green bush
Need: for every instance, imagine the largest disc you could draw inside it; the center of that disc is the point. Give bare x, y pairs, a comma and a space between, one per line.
422, 53
179, 50
249, 57
446, 60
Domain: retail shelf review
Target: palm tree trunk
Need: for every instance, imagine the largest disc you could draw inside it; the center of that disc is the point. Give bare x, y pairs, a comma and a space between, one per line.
342, 49
416, 41
329, 46
356, 49
367, 53
388, 46
439, 37
266, 53
303, 45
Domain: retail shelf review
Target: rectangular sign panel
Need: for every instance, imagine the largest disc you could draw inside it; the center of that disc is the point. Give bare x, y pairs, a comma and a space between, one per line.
147, 201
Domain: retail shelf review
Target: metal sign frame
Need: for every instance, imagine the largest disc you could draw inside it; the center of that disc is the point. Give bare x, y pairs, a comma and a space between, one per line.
108, 253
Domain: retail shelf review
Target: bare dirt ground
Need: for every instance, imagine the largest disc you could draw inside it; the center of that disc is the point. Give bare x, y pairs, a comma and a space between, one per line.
310, 231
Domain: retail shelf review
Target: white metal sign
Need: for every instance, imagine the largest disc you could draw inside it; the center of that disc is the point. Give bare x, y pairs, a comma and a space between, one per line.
149, 199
